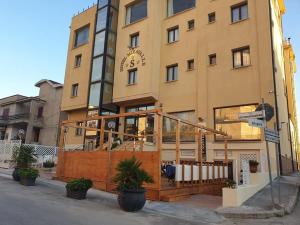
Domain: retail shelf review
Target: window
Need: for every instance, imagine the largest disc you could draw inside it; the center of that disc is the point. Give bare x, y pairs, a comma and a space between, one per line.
132, 76
173, 34
191, 24
74, 92
136, 11
40, 112
5, 113
176, 6
172, 73
134, 40
77, 60
190, 64
212, 17
227, 120
239, 12
95, 90
212, 59
241, 57
81, 36
78, 131
186, 131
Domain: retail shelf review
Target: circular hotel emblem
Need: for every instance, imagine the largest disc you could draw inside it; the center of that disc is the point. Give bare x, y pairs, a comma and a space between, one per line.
133, 59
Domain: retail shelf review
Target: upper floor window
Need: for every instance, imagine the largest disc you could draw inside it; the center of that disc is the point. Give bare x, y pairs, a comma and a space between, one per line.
40, 112
132, 76
5, 113
172, 73
239, 12
212, 59
134, 40
77, 60
241, 57
82, 36
78, 131
212, 17
74, 91
191, 64
136, 11
173, 34
191, 24
176, 6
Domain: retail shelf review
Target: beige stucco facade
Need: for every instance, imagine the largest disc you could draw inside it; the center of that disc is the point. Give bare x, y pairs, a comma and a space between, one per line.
203, 88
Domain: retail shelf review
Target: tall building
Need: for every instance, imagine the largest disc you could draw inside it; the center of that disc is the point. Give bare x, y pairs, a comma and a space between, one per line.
39, 117
201, 60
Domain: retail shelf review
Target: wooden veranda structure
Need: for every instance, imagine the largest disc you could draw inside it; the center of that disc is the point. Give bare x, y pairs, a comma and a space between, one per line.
191, 176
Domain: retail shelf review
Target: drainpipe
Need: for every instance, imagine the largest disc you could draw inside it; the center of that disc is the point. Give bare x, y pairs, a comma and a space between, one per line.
274, 83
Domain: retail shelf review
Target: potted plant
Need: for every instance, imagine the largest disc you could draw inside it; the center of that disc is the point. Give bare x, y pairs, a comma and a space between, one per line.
253, 166
230, 184
129, 179
22, 157
48, 164
78, 188
28, 176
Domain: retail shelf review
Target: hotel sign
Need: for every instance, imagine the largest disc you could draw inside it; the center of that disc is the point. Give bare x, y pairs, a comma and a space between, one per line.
133, 58
252, 115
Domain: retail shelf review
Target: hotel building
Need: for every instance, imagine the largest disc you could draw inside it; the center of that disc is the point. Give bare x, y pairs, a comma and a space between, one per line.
205, 61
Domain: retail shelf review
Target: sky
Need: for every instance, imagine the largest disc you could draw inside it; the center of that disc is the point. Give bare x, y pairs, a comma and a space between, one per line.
35, 34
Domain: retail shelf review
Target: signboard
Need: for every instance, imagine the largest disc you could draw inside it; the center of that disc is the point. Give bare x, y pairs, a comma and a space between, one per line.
256, 123
246, 172
132, 59
268, 109
252, 115
272, 135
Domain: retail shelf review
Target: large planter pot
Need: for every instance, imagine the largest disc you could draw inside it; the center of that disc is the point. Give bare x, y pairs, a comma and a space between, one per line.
79, 195
16, 175
132, 201
253, 168
26, 181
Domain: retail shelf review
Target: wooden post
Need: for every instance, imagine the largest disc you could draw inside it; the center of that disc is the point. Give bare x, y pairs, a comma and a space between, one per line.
102, 133
159, 144
178, 149
200, 155
60, 154
226, 151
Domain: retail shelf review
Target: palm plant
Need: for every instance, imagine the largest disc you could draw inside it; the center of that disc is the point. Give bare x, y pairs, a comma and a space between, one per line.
130, 176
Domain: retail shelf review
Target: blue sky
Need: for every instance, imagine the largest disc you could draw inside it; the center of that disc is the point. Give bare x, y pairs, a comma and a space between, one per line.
34, 41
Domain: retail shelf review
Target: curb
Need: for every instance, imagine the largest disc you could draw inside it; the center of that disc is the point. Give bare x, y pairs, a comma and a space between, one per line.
292, 203
253, 215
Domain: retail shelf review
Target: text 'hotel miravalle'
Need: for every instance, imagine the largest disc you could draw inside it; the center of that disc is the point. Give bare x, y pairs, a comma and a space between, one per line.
204, 61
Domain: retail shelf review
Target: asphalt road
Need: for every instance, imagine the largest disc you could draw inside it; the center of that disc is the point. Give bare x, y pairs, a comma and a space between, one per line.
45, 205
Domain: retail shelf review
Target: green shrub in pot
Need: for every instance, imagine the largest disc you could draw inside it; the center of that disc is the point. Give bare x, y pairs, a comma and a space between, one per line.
78, 188
28, 176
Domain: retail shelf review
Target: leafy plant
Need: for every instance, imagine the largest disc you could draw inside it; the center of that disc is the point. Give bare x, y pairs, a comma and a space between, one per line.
130, 176
79, 185
253, 163
29, 173
230, 184
23, 156
48, 164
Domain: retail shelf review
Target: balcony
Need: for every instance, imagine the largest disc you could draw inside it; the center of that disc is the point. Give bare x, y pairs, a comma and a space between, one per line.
14, 119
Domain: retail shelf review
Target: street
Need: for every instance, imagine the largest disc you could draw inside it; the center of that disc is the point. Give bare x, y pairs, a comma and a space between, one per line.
46, 204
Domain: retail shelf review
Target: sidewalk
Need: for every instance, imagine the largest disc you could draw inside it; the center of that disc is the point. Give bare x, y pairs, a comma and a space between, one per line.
190, 210
260, 205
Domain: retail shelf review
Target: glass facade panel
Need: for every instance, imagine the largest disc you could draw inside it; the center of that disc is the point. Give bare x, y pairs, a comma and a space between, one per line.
99, 43
227, 120
113, 20
102, 3
101, 19
97, 69
109, 70
111, 44
95, 95
107, 93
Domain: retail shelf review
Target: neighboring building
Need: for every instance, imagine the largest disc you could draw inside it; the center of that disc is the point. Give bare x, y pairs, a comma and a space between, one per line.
290, 71
38, 116
204, 61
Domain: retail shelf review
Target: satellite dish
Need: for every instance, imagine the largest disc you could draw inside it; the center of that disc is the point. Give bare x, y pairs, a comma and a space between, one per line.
269, 110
